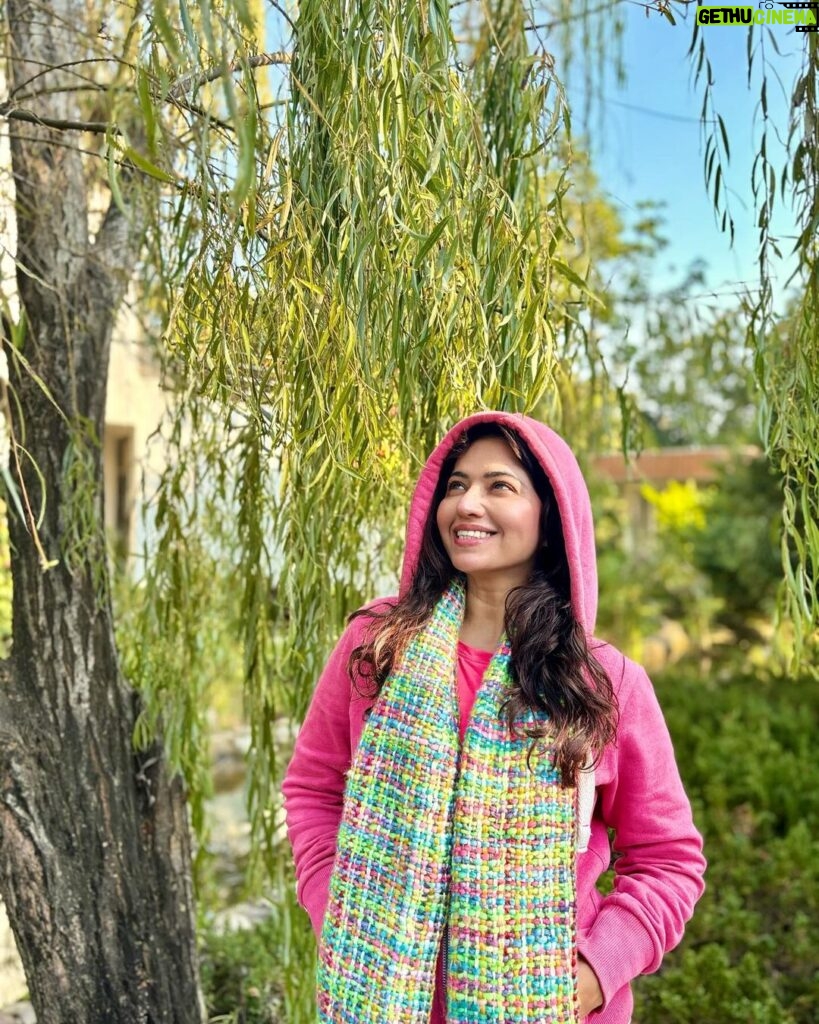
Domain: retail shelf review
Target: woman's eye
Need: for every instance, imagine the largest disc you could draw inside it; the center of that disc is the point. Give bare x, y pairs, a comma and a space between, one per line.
501, 484
454, 485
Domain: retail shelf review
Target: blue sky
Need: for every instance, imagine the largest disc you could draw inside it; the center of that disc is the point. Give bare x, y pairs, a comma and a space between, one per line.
652, 145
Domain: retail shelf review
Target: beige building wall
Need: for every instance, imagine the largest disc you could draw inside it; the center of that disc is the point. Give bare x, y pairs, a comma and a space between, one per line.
134, 408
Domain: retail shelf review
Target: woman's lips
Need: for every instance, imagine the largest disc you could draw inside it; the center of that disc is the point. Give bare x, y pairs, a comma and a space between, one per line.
472, 537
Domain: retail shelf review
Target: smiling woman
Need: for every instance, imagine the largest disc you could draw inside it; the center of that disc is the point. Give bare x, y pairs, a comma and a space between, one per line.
467, 752
489, 518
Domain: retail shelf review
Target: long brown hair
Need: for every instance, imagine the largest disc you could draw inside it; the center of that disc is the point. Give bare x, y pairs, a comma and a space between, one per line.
553, 669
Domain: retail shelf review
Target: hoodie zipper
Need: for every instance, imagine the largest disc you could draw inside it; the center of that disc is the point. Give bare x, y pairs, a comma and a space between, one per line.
445, 959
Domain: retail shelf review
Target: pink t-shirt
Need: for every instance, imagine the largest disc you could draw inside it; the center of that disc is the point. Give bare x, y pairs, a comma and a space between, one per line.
472, 664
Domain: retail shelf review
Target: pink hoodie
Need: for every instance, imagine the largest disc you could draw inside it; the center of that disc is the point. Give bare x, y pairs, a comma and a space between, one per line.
637, 791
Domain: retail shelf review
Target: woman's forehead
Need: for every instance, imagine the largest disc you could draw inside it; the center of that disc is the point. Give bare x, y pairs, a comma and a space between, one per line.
488, 450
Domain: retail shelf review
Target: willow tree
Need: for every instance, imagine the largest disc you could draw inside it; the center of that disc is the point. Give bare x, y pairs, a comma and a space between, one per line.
94, 848
335, 261
342, 245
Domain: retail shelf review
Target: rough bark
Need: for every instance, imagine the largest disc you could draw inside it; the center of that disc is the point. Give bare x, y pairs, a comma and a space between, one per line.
94, 843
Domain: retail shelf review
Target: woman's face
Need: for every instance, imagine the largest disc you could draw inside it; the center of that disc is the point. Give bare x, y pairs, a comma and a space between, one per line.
489, 518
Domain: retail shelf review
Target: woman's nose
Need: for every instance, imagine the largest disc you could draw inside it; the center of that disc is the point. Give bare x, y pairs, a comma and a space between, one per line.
469, 503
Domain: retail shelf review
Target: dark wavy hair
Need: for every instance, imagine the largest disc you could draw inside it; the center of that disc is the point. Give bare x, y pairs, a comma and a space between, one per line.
553, 669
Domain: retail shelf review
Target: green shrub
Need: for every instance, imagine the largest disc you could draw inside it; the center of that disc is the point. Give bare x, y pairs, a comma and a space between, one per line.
751, 952
238, 978
705, 987
264, 974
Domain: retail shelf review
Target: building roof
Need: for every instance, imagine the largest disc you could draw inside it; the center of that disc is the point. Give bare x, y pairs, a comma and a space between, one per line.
659, 465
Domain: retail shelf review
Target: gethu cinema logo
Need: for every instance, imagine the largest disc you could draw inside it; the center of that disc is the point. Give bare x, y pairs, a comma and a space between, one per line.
803, 16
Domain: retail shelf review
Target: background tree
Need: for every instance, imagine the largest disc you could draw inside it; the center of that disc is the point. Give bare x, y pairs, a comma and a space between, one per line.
688, 363
738, 546
95, 849
787, 374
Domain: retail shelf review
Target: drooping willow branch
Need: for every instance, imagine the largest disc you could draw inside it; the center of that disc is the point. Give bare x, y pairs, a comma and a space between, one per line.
174, 95
195, 80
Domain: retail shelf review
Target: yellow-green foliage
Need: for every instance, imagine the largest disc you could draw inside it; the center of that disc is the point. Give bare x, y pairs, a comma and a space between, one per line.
382, 262
679, 507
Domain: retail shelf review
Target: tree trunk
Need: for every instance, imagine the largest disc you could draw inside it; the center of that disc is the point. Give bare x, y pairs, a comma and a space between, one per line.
94, 842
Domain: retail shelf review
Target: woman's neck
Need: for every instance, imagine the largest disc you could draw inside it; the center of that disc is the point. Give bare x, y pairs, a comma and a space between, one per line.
483, 616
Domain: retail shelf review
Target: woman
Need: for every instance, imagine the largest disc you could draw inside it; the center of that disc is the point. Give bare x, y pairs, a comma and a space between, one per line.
466, 752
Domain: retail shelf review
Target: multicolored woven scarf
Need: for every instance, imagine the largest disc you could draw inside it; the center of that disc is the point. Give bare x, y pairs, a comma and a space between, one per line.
478, 842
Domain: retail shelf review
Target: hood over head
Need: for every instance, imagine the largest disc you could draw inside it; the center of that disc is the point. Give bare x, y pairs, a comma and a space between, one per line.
572, 496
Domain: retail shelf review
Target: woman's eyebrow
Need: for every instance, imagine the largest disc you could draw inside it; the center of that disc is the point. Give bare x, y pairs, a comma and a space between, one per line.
491, 474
